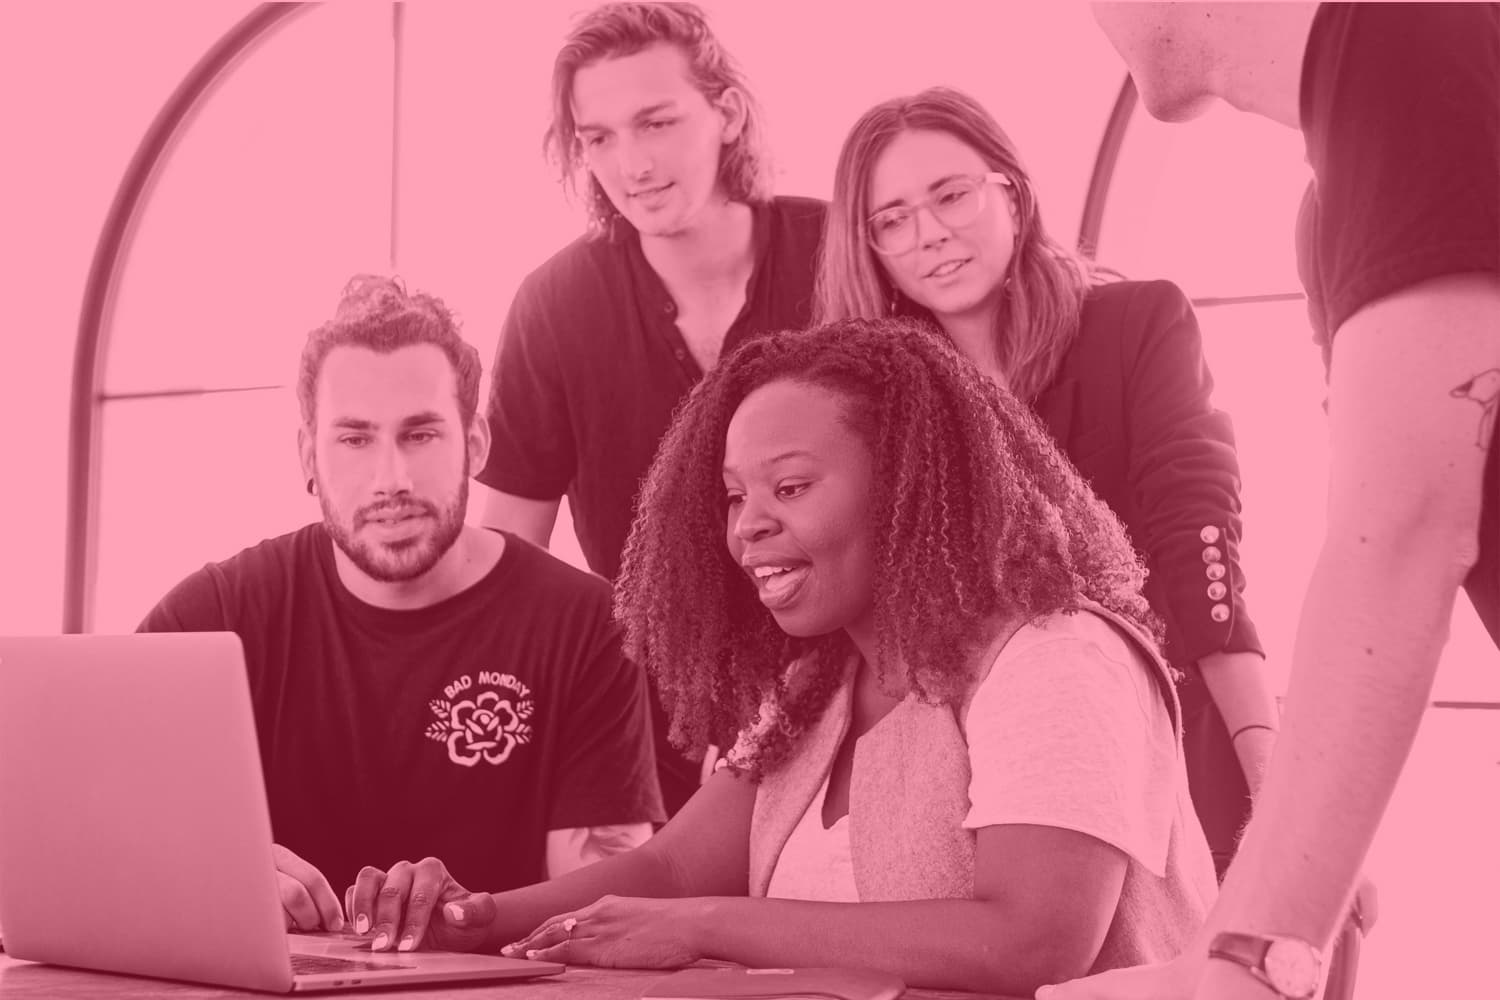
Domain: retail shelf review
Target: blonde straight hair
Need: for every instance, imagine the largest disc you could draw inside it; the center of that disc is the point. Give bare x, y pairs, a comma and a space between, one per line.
1045, 284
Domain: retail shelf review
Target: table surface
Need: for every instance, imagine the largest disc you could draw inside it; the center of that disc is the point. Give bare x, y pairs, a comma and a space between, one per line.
28, 981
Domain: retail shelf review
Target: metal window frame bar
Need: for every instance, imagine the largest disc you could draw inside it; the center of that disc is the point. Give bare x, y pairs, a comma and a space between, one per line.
1104, 168
92, 347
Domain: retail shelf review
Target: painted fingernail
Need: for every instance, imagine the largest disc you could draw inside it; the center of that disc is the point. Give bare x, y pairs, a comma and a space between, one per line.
361, 924
533, 953
407, 943
508, 949
381, 940
455, 913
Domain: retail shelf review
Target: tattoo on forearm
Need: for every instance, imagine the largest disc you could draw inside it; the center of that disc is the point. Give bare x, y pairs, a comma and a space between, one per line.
1483, 389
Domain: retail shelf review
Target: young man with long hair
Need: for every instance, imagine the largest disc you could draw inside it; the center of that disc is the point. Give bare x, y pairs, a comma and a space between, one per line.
687, 254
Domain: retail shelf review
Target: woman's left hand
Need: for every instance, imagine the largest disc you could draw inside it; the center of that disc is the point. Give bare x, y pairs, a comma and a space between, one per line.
616, 932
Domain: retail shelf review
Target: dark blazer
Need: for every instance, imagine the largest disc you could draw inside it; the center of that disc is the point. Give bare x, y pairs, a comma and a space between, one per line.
1130, 405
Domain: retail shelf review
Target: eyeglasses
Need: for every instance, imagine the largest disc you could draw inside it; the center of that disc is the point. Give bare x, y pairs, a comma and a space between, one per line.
956, 204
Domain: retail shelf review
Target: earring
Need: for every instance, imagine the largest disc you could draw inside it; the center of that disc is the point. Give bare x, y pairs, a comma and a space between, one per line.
312, 487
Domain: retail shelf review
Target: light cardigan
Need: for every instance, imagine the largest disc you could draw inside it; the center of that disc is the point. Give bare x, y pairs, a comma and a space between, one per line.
906, 832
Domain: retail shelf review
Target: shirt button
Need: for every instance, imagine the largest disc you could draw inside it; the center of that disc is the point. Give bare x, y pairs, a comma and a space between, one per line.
669, 308
1214, 571
679, 354
1219, 612
1209, 534
1211, 554
1216, 591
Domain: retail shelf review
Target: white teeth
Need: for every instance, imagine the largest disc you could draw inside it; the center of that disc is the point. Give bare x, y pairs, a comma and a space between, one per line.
779, 586
947, 269
761, 572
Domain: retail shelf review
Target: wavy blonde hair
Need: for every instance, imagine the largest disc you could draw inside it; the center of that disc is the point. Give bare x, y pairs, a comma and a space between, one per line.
1039, 314
614, 30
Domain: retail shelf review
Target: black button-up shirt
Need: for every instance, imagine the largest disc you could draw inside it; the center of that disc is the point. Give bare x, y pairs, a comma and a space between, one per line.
591, 364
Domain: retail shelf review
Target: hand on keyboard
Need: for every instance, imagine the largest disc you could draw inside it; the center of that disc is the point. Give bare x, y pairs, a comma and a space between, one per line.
306, 897
411, 907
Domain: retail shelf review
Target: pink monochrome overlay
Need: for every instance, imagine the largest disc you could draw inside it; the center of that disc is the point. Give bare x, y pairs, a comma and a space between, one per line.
351, 140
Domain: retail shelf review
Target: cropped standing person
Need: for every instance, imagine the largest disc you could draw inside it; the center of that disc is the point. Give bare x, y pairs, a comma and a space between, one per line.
1399, 248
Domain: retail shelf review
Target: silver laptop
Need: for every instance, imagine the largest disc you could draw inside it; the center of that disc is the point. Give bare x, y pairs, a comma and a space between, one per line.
134, 833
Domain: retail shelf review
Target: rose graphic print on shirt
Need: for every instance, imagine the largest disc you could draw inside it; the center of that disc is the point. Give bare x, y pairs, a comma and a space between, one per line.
487, 726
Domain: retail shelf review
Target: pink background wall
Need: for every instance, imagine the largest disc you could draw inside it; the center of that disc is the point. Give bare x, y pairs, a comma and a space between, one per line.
282, 188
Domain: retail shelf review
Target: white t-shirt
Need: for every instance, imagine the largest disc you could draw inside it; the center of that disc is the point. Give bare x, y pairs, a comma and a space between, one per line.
816, 863
1068, 730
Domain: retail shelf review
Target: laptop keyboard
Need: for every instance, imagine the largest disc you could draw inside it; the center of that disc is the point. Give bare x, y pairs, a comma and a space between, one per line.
305, 965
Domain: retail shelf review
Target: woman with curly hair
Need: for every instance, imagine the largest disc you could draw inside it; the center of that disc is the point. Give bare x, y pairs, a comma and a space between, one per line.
959, 757
934, 217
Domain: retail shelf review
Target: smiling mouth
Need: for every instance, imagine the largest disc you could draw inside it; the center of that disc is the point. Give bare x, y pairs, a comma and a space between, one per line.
778, 586
947, 267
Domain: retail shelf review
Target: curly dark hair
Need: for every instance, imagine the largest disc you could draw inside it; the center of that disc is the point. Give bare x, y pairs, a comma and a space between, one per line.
378, 313
978, 514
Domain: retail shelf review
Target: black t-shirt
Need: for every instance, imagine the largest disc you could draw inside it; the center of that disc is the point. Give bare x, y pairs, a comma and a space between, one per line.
464, 730
1400, 107
591, 365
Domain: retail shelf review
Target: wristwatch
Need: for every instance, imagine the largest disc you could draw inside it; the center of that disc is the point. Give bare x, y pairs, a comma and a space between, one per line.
1288, 965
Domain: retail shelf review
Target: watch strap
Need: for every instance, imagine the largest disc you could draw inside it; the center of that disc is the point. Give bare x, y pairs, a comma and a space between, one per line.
1245, 950
1248, 950
1254, 953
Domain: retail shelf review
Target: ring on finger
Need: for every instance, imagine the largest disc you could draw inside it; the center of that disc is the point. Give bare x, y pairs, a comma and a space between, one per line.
568, 925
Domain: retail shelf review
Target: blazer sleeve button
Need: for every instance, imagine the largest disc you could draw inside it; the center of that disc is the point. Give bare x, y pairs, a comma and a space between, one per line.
1214, 571
1209, 534
1219, 612
1211, 554
1216, 591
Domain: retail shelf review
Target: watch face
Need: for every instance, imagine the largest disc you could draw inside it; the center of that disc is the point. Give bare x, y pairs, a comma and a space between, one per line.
1292, 966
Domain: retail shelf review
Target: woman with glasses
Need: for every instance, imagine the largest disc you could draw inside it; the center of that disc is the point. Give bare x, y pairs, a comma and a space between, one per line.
934, 217
959, 755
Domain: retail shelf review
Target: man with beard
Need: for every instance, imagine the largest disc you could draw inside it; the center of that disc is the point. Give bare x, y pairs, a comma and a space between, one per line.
421, 687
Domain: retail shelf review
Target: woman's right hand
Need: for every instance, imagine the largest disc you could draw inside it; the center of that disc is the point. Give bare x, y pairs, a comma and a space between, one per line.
418, 906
